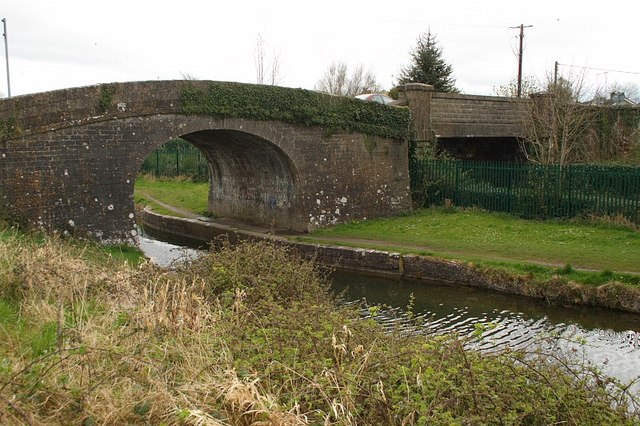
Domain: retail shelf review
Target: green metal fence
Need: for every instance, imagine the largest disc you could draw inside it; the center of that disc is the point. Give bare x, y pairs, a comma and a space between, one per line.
177, 158
528, 190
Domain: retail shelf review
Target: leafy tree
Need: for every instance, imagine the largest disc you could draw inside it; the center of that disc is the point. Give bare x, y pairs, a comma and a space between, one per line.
428, 66
336, 80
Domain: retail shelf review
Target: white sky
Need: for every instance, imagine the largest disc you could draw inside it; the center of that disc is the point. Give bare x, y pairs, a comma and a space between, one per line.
55, 44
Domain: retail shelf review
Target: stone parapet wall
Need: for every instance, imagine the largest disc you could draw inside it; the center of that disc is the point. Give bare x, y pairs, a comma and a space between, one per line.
54, 110
454, 115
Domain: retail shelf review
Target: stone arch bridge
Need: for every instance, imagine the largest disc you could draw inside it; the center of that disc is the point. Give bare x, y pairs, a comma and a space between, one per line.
278, 157
69, 158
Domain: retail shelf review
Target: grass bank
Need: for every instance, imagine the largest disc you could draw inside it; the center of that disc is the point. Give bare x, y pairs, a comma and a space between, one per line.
500, 236
180, 193
592, 252
249, 335
101, 254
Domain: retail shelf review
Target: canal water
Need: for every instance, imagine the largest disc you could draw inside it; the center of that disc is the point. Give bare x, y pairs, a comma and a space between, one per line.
607, 339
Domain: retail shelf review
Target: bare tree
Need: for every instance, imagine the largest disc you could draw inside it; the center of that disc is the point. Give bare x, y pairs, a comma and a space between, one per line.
258, 59
266, 73
189, 76
630, 90
557, 124
334, 79
274, 75
362, 81
337, 81
529, 86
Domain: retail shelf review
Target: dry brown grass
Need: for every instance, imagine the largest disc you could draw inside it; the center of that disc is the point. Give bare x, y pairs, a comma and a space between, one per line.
246, 336
148, 353
617, 220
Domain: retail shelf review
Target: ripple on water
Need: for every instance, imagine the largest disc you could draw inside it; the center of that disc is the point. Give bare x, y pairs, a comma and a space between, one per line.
616, 354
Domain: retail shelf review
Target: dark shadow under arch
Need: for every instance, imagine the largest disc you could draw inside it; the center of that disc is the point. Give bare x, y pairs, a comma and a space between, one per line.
250, 178
481, 148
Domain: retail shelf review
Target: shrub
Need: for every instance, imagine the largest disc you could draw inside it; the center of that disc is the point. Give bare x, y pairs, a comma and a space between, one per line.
249, 335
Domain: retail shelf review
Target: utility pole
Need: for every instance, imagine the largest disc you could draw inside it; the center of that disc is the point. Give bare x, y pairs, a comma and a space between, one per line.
522, 27
6, 52
555, 75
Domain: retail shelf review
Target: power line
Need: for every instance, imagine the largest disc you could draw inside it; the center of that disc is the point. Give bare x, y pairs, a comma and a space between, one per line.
598, 69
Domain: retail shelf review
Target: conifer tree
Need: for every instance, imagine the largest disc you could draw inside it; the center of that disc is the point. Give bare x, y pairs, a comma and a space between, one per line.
428, 66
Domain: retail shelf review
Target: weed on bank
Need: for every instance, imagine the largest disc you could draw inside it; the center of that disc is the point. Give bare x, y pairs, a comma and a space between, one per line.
249, 335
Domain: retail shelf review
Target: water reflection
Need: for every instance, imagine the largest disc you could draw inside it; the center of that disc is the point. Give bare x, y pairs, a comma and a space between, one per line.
439, 300
165, 254
604, 338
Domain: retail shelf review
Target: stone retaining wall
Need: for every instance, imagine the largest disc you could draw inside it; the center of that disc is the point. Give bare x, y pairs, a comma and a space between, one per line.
612, 296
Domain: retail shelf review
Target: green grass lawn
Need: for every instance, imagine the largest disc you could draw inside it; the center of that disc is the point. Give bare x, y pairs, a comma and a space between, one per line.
183, 194
498, 238
542, 248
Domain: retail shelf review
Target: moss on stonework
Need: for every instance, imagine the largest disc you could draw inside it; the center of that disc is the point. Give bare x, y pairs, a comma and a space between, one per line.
9, 128
107, 92
297, 106
370, 143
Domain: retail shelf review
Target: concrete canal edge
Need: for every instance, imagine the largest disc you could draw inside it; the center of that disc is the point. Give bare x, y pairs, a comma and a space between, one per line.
611, 296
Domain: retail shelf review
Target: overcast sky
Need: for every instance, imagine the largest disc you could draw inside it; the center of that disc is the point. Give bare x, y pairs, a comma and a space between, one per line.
55, 44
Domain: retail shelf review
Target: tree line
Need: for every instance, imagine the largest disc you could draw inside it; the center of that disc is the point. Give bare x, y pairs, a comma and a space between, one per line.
566, 121
427, 65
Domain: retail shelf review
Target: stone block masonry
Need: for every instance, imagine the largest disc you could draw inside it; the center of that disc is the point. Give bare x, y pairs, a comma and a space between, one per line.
453, 115
69, 160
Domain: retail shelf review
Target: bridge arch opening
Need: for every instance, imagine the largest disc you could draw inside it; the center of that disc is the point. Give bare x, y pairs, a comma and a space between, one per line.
250, 179
175, 159
481, 148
